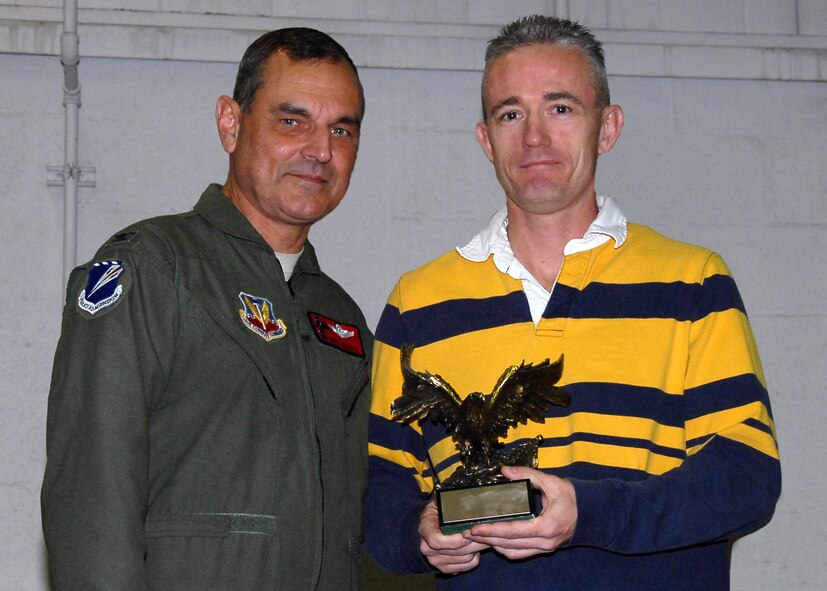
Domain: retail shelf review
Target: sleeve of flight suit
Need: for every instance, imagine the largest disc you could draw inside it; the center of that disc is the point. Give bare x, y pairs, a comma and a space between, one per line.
111, 365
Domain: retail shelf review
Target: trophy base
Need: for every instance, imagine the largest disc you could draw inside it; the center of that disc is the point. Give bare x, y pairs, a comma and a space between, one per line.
461, 508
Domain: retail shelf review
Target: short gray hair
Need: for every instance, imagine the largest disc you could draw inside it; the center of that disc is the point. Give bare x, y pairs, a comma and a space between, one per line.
537, 29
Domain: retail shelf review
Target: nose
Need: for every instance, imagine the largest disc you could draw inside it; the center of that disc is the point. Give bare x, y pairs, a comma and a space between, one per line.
318, 146
534, 132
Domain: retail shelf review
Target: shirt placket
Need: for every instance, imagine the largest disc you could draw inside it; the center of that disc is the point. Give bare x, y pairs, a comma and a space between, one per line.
570, 281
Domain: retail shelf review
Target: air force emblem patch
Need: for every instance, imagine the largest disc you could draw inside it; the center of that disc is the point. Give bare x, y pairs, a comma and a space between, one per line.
103, 286
257, 315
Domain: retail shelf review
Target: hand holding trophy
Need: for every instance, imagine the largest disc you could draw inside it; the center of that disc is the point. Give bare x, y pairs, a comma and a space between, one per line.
477, 491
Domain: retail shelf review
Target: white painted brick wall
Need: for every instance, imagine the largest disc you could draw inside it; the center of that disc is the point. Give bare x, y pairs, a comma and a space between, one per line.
770, 17
496, 12
734, 36
777, 17
737, 165
812, 17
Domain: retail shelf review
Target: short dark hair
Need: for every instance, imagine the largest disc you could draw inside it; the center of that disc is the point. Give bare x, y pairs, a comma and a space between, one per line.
299, 44
537, 29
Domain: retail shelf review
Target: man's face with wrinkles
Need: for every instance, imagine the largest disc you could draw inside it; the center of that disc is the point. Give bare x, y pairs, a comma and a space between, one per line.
294, 152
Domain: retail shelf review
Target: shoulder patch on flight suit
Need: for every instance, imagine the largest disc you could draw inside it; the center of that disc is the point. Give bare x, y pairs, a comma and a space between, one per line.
103, 286
344, 337
257, 315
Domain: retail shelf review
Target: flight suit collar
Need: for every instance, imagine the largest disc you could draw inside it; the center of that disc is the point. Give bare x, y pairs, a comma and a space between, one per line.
219, 211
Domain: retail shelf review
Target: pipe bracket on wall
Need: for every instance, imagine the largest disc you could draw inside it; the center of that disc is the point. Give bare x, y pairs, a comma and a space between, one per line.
56, 176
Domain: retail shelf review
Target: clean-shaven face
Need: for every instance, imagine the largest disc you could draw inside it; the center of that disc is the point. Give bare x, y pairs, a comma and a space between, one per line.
543, 127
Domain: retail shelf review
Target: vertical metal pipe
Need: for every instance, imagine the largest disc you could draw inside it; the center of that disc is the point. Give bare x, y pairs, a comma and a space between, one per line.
70, 57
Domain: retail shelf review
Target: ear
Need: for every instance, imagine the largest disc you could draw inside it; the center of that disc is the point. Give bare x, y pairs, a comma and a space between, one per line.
611, 124
228, 121
484, 140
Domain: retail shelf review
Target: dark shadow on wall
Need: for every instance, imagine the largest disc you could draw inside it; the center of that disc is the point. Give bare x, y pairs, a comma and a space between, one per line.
43, 559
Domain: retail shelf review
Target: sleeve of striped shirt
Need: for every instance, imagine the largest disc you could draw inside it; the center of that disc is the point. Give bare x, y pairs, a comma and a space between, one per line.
399, 483
731, 479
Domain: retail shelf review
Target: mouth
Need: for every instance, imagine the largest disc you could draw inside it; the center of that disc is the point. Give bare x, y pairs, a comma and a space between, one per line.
307, 177
539, 163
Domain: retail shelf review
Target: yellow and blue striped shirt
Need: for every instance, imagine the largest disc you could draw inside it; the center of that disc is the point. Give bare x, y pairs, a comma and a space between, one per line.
669, 438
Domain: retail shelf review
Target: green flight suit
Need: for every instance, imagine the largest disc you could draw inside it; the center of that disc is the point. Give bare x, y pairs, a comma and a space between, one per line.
207, 423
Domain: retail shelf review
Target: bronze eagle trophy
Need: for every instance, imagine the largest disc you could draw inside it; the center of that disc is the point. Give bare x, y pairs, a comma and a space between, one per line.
476, 423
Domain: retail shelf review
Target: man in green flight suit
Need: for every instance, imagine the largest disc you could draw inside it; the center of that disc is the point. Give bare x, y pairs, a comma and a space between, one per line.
208, 406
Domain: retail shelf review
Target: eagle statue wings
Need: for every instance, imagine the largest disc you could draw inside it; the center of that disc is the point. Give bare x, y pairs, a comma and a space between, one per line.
476, 423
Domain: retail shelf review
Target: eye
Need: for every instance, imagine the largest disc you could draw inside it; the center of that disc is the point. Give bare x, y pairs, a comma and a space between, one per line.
340, 132
561, 109
289, 122
510, 116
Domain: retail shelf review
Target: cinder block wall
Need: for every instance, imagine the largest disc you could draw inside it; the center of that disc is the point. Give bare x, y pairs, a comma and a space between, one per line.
724, 145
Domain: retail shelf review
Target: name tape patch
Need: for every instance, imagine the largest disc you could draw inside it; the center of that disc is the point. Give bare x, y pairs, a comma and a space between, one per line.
344, 337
